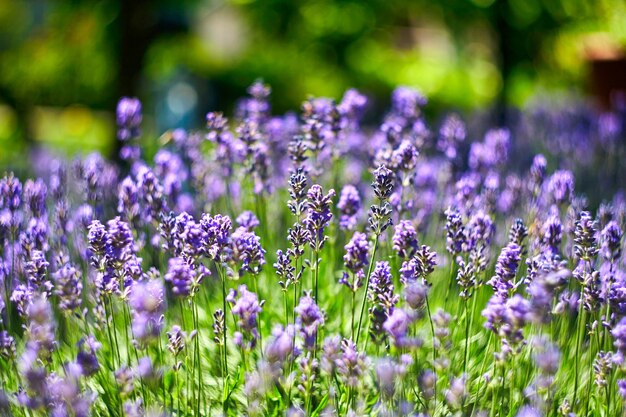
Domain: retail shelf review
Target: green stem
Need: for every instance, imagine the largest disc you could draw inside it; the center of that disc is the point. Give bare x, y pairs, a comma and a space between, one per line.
432, 332
579, 341
367, 286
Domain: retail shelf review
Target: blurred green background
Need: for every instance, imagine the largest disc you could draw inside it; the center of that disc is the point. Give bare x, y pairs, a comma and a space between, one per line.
64, 64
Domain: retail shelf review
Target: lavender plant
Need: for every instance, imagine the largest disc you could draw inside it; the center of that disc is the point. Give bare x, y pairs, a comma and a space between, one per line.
468, 288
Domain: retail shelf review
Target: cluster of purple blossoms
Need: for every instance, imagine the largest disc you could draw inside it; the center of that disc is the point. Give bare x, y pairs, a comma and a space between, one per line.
246, 307
216, 239
383, 299
397, 327
128, 118
419, 267
357, 250
507, 317
561, 186
451, 133
147, 303
585, 240
65, 258
506, 269
349, 206
247, 249
404, 157
184, 279
380, 215
318, 215
309, 319
355, 260
552, 234
455, 231
404, 239
611, 247
487, 155
68, 288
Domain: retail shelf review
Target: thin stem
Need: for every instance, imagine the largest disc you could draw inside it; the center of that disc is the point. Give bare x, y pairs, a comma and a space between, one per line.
256, 290
367, 287
352, 312
432, 331
579, 341
467, 323
225, 351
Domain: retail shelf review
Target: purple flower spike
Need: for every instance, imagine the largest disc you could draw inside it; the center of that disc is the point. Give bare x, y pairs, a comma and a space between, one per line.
561, 186
404, 239
349, 206
248, 220
406, 102
147, 303
397, 326
128, 118
357, 251
184, 279
318, 214
246, 307
612, 241
309, 319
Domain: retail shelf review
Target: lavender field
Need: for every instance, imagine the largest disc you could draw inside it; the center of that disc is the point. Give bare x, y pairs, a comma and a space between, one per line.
307, 264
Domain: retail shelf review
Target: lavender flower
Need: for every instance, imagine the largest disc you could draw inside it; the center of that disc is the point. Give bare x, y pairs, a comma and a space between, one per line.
397, 326
383, 299
7, 345
309, 319
349, 206
455, 232
35, 193
415, 294
611, 242
247, 249
381, 287
68, 287
404, 158
506, 268
128, 199
383, 183
466, 278
128, 118
248, 221
151, 192
404, 239
36, 269
451, 133
98, 238
284, 268
585, 242
561, 186
420, 266
40, 328
246, 306
86, 357
318, 214
352, 364
216, 242
147, 304
176, 340
406, 102
297, 191
537, 172
357, 251
119, 241
184, 279
619, 336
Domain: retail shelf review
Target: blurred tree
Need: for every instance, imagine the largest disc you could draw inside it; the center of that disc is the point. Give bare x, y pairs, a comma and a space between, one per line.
461, 53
